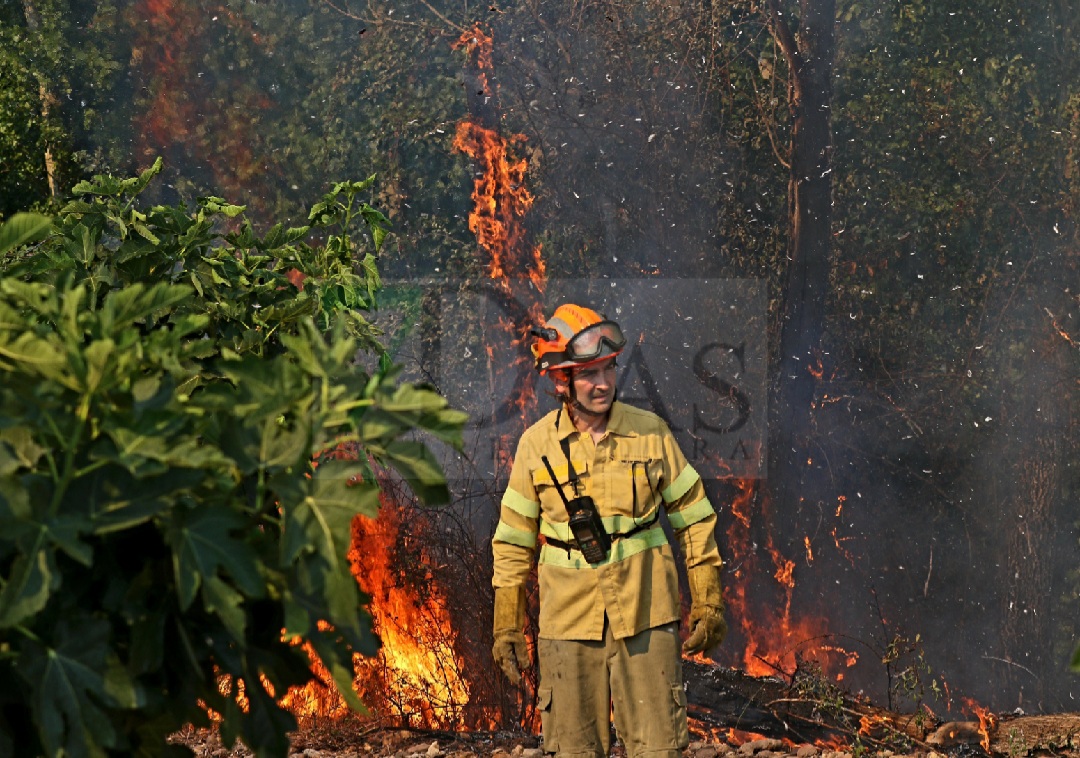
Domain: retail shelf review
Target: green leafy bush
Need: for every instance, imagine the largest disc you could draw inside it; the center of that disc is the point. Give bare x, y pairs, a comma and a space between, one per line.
165, 533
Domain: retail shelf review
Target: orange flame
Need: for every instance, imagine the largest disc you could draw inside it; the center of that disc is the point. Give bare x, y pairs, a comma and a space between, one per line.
500, 198
738, 737
1060, 330
774, 641
317, 698
417, 674
415, 680
501, 201
988, 722
872, 725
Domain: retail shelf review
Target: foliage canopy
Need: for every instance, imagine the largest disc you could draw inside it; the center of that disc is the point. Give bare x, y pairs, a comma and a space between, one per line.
165, 534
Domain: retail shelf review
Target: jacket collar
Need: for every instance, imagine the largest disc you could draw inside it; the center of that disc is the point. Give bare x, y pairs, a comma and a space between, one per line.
618, 422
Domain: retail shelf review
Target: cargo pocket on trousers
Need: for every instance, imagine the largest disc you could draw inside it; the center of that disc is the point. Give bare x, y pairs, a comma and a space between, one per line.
548, 733
682, 733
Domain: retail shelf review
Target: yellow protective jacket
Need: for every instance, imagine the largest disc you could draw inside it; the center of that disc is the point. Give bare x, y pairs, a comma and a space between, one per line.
632, 471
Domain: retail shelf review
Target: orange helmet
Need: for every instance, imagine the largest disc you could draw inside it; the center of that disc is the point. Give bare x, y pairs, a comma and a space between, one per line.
575, 336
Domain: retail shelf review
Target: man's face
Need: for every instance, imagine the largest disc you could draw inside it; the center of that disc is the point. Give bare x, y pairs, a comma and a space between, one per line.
594, 386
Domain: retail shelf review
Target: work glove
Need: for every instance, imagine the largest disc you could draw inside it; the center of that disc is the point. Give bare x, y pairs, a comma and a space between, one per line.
510, 650
707, 625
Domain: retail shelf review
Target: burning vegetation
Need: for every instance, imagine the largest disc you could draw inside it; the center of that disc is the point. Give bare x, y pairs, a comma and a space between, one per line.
433, 671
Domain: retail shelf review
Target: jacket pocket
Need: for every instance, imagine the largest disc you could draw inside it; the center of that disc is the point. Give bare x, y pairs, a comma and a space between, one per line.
541, 477
547, 489
637, 486
682, 732
549, 733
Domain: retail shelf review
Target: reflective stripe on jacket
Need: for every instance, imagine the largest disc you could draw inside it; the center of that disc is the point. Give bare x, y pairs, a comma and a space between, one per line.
632, 471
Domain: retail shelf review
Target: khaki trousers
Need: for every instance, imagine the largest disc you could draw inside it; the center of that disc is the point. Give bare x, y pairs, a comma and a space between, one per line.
640, 678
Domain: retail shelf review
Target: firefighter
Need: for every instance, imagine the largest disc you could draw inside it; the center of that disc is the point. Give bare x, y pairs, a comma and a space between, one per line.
586, 488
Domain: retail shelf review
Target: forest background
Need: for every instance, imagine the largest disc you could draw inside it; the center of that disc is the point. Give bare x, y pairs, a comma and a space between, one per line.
904, 177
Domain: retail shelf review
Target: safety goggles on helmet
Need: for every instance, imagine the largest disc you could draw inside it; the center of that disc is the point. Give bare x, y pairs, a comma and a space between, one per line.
573, 337
589, 342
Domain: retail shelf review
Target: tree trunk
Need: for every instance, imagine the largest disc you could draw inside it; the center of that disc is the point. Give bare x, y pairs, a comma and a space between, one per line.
48, 102
810, 60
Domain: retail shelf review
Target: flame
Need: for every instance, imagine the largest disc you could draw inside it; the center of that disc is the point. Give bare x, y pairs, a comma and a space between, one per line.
738, 737
415, 680
838, 543
872, 725
1060, 330
988, 722
417, 674
836, 744
500, 198
500, 202
317, 698
775, 642
478, 45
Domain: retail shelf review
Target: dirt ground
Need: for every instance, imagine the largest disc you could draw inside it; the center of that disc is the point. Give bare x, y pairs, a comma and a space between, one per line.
342, 740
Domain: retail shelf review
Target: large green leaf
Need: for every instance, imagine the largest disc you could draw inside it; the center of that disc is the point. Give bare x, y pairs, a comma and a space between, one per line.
31, 354
279, 236
227, 603
202, 543
25, 451
316, 356
135, 447
322, 521
408, 407
14, 499
28, 585
21, 443
70, 685
135, 303
11, 319
123, 501
65, 532
111, 186
22, 229
264, 387
420, 469
1075, 665
284, 444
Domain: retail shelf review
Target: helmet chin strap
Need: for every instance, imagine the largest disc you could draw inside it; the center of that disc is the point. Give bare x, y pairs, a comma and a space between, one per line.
571, 400
579, 408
